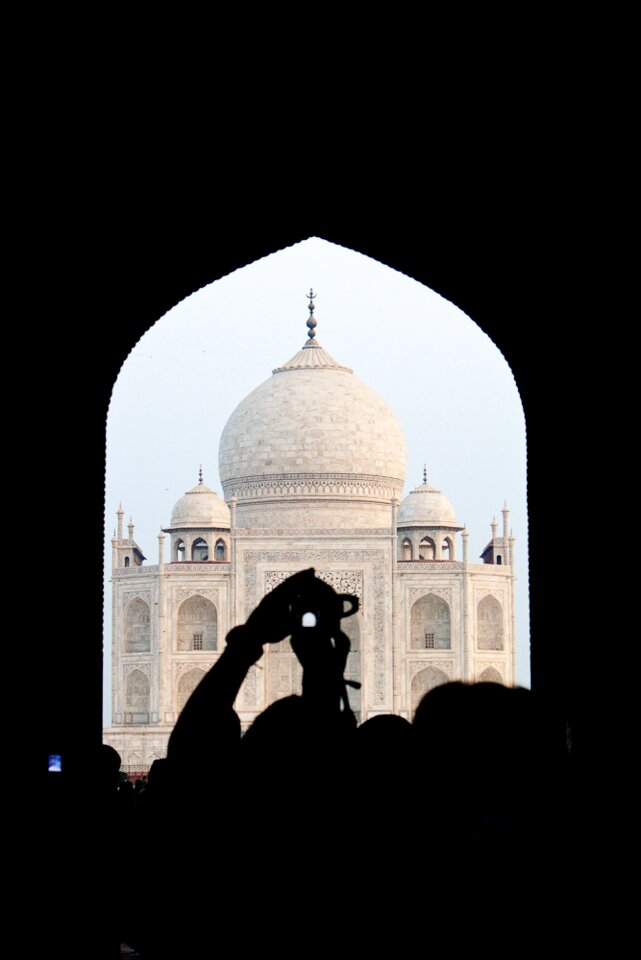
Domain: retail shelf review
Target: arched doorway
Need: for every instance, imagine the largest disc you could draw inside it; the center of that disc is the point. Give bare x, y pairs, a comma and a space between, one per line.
424, 681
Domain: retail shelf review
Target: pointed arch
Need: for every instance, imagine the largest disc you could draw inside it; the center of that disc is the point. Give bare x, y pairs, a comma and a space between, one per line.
180, 551
346, 357
199, 550
426, 549
137, 627
430, 624
220, 550
186, 686
406, 549
137, 698
490, 675
424, 681
197, 624
490, 631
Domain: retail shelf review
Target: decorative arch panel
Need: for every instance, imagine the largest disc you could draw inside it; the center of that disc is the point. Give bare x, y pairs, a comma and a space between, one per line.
186, 686
137, 627
424, 681
197, 624
137, 698
490, 631
430, 624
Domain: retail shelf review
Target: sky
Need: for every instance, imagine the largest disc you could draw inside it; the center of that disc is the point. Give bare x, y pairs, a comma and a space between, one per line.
447, 383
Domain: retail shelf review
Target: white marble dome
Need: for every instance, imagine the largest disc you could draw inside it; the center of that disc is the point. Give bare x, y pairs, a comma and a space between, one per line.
200, 507
425, 506
312, 429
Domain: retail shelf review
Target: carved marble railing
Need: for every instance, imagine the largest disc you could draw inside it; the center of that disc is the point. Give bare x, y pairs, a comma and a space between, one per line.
490, 568
318, 532
437, 566
135, 571
184, 567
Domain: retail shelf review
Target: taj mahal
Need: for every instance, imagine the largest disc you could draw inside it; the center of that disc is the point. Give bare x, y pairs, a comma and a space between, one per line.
313, 466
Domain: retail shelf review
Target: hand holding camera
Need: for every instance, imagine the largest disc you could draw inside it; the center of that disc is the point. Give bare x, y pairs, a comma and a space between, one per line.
272, 621
309, 611
300, 602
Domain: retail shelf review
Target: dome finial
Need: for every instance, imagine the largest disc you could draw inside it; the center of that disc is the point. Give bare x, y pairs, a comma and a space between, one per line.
200, 476
424, 473
311, 323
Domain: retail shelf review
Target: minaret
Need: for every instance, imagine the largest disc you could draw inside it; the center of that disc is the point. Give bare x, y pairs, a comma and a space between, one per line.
161, 550
506, 522
126, 552
114, 551
496, 550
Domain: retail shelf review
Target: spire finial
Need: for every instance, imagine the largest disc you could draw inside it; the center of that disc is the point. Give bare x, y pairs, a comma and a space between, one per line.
424, 473
200, 475
311, 323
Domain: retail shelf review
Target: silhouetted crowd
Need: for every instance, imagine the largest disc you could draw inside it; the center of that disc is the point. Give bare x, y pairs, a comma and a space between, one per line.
312, 833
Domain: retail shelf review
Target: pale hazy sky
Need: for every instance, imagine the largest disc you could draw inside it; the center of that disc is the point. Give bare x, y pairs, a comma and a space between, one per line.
443, 378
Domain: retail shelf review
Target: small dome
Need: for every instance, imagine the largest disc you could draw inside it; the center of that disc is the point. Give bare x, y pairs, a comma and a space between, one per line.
425, 506
200, 507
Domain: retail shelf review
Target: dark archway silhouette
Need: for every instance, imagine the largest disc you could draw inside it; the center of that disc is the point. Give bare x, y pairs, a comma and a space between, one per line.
157, 271
510, 235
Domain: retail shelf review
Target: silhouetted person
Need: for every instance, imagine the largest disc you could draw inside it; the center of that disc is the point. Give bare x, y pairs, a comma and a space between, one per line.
490, 760
306, 736
307, 821
383, 759
87, 858
270, 807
